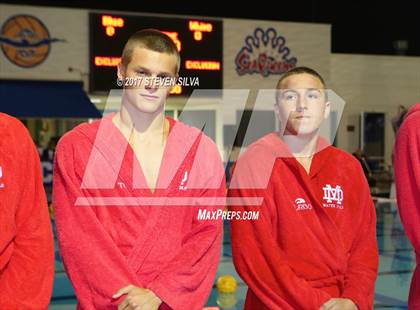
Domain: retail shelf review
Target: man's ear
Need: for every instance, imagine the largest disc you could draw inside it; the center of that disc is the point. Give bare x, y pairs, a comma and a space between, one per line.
120, 71
327, 110
173, 86
276, 109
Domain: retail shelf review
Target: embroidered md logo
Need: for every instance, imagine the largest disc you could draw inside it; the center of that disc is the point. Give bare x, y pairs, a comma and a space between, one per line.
25, 41
333, 197
264, 53
301, 204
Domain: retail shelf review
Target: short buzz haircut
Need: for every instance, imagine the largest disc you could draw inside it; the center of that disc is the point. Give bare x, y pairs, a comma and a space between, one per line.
301, 70
153, 40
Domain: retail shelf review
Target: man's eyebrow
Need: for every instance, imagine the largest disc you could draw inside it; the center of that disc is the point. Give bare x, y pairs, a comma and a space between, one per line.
138, 68
165, 73
284, 90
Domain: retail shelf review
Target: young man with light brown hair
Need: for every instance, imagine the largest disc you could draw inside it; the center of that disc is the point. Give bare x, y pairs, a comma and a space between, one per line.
126, 190
314, 245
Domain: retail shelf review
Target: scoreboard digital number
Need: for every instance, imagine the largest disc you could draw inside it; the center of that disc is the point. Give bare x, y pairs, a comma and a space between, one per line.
200, 43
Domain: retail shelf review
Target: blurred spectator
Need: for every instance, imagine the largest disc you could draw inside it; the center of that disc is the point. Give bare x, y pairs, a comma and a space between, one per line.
48, 152
362, 158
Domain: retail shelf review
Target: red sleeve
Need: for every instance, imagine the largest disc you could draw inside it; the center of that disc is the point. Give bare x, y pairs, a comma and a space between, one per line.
362, 267
26, 282
188, 278
407, 177
94, 264
259, 260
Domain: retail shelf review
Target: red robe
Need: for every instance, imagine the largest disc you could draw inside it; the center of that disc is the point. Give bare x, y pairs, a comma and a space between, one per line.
316, 235
121, 232
407, 180
26, 240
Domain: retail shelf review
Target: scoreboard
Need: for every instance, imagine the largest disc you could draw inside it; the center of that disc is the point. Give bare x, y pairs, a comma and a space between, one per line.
200, 43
